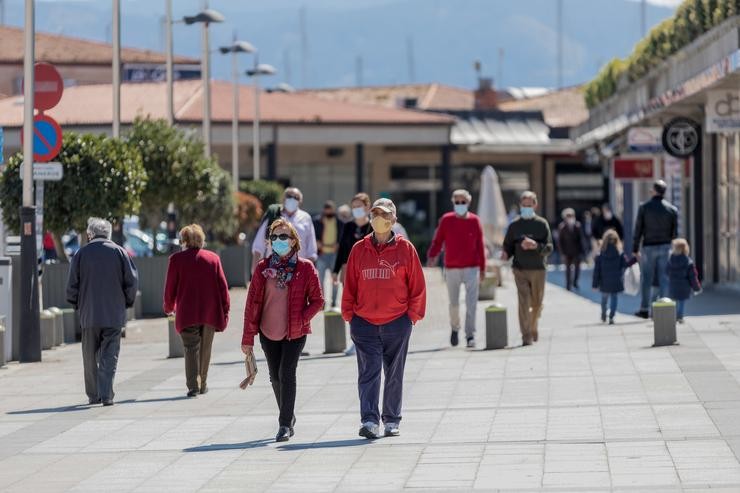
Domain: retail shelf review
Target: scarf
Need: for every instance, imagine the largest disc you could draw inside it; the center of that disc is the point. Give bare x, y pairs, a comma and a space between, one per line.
281, 269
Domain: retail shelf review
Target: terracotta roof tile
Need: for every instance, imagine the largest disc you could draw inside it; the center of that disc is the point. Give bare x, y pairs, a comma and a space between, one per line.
564, 108
54, 48
428, 96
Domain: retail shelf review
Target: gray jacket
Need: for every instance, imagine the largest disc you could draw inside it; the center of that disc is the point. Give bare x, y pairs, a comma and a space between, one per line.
102, 284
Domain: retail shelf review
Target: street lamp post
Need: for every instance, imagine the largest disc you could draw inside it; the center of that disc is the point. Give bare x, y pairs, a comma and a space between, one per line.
205, 17
258, 70
169, 64
116, 68
235, 48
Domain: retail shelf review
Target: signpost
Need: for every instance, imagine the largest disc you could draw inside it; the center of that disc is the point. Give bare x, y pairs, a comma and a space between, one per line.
47, 138
46, 171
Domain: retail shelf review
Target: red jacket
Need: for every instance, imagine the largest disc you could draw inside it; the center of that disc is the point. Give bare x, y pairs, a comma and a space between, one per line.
462, 240
196, 290
381, 286
304, 300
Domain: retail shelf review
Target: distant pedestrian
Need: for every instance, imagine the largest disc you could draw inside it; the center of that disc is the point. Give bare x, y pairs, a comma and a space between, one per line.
384, 295
50, 249
399, 230
328, 229
460, 235
528, 242
656, 227
682, 276
301, 220
608, 276
571, 245
197, 293
102, 285
283, 297
606, 221
344, 213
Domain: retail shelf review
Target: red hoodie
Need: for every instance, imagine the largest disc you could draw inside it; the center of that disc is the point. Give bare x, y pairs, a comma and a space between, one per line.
382, 284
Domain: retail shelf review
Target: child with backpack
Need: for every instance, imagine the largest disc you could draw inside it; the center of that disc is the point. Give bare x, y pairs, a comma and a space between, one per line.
609, 268
682, 276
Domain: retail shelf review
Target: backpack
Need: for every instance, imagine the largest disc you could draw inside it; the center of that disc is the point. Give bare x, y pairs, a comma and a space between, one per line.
272, 213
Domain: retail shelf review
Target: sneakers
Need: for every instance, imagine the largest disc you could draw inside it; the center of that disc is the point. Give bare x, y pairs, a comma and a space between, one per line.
369, 430
470, 343
192, 393
642, 314
391, 430
454, 338
679, 320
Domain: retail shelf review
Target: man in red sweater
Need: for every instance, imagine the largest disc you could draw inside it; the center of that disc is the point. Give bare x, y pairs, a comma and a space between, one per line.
460, 235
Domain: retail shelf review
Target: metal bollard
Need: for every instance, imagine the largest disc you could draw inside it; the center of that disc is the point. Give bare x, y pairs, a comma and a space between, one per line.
58, 325
335, 334
664, 322
497, 335
138, 307
176, 348
2, 341
47, 329
69, 319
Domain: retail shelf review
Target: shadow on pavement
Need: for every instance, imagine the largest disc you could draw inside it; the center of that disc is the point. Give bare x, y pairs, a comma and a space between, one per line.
214, 447
83, 407
333, 444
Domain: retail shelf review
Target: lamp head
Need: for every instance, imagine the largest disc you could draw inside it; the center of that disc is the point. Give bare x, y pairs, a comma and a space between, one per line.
207, 16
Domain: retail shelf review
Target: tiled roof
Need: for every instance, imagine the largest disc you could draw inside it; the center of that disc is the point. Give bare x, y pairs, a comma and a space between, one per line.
92, 105
427, 96
564, 108
65, 50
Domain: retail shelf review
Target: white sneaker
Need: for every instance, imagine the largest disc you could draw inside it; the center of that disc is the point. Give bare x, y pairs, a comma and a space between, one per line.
350, 350
369, 430
391, 430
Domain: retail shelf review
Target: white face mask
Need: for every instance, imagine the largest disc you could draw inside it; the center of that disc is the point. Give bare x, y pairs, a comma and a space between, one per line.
291, 205
359, 212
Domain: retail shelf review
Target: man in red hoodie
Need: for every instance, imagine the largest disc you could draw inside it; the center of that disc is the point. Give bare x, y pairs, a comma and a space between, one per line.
460, 234
384, 295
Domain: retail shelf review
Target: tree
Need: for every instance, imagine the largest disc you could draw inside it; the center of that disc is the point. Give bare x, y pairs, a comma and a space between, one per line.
268, 192
213, 207
103, 177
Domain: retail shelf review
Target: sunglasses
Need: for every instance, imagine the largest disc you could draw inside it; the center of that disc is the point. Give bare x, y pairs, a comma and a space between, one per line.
460, 202
296, 197
283, 237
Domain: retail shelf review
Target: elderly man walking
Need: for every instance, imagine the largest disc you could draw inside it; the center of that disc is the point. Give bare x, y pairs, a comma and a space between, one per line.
102, 284
528, 242
460, 235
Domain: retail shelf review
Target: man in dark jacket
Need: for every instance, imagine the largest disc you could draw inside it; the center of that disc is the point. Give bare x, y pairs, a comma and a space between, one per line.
571, 246
607, 221
528, 242
656, 227
102, 284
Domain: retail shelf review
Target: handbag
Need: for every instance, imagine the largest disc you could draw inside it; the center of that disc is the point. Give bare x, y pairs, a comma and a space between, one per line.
632, 280
250, 364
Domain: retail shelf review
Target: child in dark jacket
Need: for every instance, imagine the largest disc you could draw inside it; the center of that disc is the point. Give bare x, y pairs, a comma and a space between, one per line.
609, 269
682, 276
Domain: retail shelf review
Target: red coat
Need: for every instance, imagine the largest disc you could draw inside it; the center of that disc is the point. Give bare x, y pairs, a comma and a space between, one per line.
380, 286
196, 290
304, 300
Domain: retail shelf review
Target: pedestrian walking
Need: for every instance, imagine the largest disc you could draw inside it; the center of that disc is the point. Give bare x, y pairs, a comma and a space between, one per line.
460, 235
352, 232
528, 242
344, 213
328, 228
571, 245
682, 276
607, 221
301, 220
283, 297
384, 296
197, 293
656, 227
102, 284
50, 249
609, 268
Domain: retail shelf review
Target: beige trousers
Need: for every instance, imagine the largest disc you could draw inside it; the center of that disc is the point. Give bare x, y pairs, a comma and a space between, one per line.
530, 287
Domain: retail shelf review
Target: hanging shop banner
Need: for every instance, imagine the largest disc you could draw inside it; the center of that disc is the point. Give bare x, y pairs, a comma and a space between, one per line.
633, 168
645, 139
723, 111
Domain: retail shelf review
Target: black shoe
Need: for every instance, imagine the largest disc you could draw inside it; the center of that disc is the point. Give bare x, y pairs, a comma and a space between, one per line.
305, 353
92, 402
642, 314
527, 342
611, 320
283, 434
107, 403
575, 285
192, 393
454, 340
470, 343
603, 318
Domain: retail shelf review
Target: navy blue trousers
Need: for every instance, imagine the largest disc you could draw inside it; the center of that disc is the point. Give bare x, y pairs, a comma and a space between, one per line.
381, 347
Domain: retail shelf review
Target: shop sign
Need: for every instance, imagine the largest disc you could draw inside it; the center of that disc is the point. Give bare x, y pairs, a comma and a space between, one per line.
645, 139
681, 137
723, 111
633, 168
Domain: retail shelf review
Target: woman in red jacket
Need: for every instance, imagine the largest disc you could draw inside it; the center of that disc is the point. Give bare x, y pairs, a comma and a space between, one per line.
284, 295
196, 291
384, 295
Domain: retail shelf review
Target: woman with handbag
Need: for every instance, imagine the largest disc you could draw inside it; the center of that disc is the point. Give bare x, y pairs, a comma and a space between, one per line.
284, 295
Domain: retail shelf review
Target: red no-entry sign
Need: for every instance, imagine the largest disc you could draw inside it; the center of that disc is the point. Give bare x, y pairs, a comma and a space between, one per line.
48, 86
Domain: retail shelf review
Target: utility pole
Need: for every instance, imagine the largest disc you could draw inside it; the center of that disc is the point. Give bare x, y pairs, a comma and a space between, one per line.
206, 76
560, 44
410, 59
169, 69
116, 68
643, 18
358, 71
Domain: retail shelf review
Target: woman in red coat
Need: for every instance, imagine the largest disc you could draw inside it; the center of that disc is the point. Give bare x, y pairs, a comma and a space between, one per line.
284, 295
196, 291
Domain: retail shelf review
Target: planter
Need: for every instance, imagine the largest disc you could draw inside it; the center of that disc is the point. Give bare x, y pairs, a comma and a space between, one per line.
152, 274
236, 261
54, 285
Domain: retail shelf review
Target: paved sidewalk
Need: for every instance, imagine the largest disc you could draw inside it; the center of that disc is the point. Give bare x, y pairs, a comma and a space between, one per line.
590, 407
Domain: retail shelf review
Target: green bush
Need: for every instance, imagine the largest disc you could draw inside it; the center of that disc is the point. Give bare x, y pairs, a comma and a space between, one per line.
268, 192
213, 207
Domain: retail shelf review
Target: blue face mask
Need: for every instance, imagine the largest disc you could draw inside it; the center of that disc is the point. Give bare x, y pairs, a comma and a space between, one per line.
281, 247
359, 212
461, 209
527, 212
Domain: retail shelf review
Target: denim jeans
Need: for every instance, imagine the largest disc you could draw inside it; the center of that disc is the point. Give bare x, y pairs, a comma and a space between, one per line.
324, 264
654, 261
381, 347
680, 308
612, 299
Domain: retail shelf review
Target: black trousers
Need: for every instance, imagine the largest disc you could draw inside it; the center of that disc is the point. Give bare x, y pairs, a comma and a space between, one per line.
572, 271
282, 362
